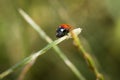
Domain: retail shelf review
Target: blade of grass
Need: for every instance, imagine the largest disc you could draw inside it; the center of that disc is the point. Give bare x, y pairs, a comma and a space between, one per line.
34, 56
87, 57
49, 40
25, 70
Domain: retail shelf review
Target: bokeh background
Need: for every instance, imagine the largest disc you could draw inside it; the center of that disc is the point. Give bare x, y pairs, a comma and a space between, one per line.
99, 19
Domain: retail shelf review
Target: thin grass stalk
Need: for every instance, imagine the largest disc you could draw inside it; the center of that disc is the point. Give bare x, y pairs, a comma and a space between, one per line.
32, 57
87, 57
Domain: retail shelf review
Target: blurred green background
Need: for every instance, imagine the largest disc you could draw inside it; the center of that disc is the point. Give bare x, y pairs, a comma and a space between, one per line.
99, 19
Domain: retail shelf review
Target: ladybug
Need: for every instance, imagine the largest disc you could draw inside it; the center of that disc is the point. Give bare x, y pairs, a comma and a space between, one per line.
63, 30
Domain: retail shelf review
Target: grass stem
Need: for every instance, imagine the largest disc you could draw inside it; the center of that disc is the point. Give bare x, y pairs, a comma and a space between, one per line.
32, 57
87, 57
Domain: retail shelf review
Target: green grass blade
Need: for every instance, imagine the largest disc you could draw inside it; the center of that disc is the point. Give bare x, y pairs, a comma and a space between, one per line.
32, 57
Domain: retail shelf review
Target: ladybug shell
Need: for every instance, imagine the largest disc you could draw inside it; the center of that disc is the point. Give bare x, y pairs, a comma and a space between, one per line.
62, 30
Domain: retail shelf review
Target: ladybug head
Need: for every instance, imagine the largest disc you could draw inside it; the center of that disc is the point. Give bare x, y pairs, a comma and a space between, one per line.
60, 32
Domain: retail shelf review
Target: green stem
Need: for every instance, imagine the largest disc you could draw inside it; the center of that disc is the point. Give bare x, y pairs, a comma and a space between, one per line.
32, 57
87, 57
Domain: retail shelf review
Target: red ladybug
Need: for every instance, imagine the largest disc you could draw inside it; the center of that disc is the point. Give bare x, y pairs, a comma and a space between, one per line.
62, 30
